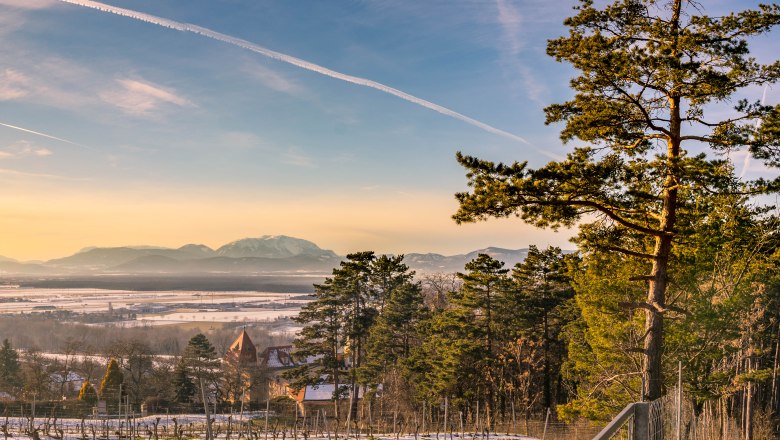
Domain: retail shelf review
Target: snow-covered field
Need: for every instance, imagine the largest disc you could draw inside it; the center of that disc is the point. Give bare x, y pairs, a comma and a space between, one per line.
156, 308
192, 426
221, 316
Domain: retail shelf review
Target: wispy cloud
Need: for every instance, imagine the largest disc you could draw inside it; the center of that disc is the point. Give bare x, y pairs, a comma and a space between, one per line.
13, 85
47, 80
294, 156
510, 19
17, 173
28, 4
273, 80
512, 45
60, 83
303, 64
13, 13
240, 140
22, 149
140, 98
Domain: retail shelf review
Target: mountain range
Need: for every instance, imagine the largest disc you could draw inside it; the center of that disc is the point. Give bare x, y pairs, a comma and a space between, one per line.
266, 254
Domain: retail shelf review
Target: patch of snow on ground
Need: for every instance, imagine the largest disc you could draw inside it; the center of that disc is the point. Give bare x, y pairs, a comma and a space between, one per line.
193, 424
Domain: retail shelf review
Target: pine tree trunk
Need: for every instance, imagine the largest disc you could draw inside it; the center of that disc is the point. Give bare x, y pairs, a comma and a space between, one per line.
654, 324
656, 295
749, 397
205, 409
773, 393
337, 394
547, 379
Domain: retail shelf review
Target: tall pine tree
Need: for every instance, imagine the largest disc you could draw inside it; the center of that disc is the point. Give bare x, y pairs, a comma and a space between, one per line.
10, 370
392, 340
321, 339
184, 388
202, 363
387, 274
543, 292
473, 328
652, 74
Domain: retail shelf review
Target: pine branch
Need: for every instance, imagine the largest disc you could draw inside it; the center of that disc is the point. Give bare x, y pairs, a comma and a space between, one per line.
628, 252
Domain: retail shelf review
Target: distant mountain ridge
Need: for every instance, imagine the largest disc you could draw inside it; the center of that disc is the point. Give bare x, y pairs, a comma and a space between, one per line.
273, 246
250, 255
265, 254
455, 263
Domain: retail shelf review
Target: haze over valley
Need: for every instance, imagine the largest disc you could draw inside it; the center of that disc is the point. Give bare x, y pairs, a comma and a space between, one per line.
272, 263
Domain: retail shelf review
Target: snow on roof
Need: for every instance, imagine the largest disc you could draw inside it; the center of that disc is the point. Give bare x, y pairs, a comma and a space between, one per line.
319, 392
278, 357
324, 391
281, 356
70, 377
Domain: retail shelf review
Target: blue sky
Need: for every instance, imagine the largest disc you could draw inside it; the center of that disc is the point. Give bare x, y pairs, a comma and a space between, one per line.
174, 137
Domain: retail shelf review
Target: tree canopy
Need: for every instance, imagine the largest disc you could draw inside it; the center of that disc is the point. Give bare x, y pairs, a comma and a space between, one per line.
112, 380
10, 369
653, 79
87, 393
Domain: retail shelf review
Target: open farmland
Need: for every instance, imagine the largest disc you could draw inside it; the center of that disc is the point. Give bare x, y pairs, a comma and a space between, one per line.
131, 308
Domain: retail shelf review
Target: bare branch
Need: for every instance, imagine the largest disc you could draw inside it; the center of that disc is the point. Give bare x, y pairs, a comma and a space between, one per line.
629, 252
643, 110
609, 213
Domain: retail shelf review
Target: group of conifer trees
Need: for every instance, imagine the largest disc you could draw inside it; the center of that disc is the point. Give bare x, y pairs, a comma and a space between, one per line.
494, 341
671, 186
560, 330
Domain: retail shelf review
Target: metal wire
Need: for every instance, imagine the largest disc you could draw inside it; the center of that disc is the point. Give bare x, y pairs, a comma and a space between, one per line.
657, 420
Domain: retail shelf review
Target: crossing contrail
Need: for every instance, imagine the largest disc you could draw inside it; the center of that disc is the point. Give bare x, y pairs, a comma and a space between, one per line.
746, 162
186, 27
27, 130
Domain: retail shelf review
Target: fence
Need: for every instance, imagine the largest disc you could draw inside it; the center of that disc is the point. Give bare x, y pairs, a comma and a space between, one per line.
673, 417
253, 426
71, 420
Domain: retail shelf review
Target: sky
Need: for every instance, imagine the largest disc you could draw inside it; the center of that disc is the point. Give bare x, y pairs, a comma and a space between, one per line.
207, 121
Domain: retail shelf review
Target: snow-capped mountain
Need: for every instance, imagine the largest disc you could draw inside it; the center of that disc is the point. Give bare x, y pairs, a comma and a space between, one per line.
273, 246
265, 254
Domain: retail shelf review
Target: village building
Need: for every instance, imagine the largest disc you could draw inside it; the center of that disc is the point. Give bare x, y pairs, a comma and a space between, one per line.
274, 361
242, 380
68, 383
278, 359
242, 350
258, 377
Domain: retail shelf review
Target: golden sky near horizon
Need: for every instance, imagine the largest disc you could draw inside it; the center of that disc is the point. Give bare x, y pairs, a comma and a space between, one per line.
49, 224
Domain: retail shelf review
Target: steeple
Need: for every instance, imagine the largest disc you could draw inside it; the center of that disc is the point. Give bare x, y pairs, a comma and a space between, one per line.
244, 349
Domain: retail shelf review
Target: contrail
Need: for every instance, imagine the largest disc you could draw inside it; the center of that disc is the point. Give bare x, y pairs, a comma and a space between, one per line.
746, 162
45, 135
186, 27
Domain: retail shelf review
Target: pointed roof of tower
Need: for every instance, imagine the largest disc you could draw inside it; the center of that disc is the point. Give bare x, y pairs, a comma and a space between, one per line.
244, 348
242, 341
